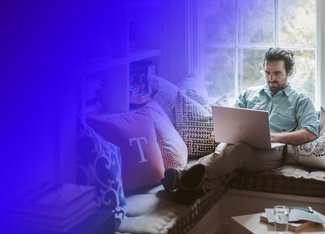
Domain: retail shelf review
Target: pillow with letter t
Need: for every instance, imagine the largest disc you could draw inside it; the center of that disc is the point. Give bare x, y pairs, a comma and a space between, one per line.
135, 135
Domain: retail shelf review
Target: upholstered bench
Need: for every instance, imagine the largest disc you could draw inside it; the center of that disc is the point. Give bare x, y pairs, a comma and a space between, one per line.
287, 179
153, 211
175, 128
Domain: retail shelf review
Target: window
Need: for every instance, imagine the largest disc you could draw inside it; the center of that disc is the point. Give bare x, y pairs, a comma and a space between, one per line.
236, 33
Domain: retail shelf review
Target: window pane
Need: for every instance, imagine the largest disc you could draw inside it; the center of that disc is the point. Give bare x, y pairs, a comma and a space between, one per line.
251, 68
297, 21
255, 31
220, 71
303, 77
256, 21
219, 21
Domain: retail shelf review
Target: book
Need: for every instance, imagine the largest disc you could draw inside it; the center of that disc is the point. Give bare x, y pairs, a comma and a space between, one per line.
48, 205
48, 199
139, 81
297, 215
299, 219
51, 223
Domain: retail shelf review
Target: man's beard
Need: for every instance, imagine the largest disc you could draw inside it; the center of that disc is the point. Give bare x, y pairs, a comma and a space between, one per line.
275, 87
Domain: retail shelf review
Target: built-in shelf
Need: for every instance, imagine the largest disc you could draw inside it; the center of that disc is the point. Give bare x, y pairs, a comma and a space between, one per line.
105, 63
136, 39
141, 55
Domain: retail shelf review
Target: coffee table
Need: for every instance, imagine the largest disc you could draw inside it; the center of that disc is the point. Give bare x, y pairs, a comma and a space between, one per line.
250, 223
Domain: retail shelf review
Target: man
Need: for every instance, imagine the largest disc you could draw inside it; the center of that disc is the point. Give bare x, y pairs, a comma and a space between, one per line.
292, 117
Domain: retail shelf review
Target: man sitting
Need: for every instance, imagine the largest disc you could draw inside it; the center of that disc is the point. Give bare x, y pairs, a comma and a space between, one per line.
292, 117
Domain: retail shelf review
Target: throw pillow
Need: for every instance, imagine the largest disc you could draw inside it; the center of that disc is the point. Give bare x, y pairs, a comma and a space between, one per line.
99, 165
222, 101
310, 154
164, 93
194, 124
135, 134
172, 146
194, 82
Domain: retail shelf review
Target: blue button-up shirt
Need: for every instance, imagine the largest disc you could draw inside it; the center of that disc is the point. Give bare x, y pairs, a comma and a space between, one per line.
288, 109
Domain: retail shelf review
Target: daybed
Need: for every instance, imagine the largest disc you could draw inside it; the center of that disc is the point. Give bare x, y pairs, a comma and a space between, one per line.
179, 128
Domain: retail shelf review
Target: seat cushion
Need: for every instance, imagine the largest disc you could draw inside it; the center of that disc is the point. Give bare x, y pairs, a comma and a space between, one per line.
153, 211
288, 179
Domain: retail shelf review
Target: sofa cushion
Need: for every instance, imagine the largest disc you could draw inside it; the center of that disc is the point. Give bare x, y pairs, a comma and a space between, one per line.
134, 133
99, 165
288, 179
194, 124
153, 211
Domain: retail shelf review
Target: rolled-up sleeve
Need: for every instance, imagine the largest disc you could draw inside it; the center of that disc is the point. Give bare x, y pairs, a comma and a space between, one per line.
307, 117
241, 100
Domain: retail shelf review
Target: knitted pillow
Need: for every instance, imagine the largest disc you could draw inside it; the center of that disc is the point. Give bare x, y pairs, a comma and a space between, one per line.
194, 124
99, 165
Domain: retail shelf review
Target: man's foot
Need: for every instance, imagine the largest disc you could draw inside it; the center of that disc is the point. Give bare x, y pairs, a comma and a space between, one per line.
172, 178
185, 183
190, 186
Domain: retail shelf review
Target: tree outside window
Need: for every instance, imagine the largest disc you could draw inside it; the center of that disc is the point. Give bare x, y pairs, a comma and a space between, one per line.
238, 32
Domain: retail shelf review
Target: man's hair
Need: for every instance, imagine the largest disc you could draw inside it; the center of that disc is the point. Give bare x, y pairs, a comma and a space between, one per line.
276, 54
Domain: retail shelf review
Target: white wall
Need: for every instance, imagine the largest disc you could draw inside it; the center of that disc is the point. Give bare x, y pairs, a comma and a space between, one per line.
174, 44
40, 55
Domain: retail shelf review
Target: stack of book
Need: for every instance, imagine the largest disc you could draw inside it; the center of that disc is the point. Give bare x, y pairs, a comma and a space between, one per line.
139, 81
300, 219
48, 206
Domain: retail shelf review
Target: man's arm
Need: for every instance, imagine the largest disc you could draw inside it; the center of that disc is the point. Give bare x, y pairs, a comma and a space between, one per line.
297, 137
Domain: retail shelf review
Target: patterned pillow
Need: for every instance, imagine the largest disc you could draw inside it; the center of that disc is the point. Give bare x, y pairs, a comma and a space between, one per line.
194, 124
99, 165
194, 82
310, 154
172, 146
164, 93
135, 135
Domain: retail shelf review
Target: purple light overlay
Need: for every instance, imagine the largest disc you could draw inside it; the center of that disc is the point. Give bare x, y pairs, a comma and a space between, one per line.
45, 45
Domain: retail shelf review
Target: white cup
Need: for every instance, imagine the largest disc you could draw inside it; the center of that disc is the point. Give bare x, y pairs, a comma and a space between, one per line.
281, 219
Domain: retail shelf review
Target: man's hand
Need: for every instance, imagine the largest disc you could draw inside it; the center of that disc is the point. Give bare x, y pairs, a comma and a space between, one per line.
298, 137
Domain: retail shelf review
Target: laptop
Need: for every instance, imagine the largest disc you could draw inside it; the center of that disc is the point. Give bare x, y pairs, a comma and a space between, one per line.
237, 125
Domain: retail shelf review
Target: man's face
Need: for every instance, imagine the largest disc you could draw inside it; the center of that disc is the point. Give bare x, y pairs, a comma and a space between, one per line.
276, 75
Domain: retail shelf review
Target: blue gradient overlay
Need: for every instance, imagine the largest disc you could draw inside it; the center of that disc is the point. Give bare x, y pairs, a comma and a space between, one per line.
44, 48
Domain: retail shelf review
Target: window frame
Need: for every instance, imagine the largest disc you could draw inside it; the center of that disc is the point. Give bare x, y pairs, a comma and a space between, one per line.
197, 32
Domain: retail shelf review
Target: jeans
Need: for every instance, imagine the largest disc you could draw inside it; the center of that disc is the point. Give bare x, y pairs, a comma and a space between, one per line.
228, 158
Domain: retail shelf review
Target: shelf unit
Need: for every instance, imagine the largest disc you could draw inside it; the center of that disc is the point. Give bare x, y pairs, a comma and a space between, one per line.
128, 32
